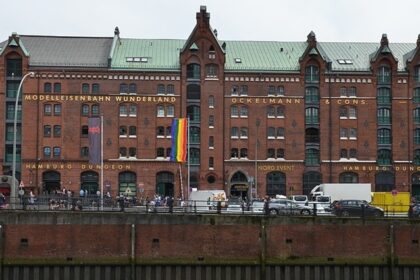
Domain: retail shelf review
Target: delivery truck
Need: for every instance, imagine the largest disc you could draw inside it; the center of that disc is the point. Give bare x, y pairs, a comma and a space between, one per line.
393, 202
339, 191
205, 200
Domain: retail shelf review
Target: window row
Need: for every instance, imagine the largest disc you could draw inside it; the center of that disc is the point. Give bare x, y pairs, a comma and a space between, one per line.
90, 88
194, 71
49, 152
348, 112
348, 92
128, 131
239, 111
348, 153
52, 88
50, 130
239, 153
52, 109
348, 133
128, 110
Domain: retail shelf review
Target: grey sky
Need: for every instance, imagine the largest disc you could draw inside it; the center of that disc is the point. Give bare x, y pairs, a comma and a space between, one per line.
266, 20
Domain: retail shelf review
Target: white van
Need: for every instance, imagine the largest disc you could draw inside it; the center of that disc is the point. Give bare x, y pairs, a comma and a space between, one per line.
206, 200
299, 199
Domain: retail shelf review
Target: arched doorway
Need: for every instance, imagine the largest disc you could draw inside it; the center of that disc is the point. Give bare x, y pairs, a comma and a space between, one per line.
276, 183
89, 182
51, 181
239, 186
415, 185
310, 180
127, 183
165, 183
384, 181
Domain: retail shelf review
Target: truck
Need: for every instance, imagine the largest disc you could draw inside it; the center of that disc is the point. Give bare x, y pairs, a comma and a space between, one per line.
205, 200
339, 191
394, 202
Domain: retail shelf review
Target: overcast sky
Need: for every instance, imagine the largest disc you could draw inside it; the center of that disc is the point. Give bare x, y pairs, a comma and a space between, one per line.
262, 20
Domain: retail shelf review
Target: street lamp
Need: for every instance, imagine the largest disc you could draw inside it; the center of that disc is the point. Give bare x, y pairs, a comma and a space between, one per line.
13, 190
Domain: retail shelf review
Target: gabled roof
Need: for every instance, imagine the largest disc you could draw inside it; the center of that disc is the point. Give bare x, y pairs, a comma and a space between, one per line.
67, 51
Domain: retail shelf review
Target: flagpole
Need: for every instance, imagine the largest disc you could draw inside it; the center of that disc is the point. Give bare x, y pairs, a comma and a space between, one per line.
102, 162
188, 158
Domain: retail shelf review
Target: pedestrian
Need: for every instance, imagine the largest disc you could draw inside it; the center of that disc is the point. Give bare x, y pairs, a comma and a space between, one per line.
32, 199
170, 203
267, 205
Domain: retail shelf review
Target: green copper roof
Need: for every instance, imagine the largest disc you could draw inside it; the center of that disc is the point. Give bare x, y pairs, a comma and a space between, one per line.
263, 56
253, 56
147, 54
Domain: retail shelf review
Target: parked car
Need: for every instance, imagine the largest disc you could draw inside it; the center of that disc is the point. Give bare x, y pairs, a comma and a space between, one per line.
287, 207
354, 207
234, 206
257, 207
415, 210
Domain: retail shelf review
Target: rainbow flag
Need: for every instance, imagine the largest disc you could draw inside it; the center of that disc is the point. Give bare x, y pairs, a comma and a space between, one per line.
179, 140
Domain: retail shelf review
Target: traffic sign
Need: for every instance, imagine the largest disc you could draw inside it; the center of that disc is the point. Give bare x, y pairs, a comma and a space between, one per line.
394, 192
21, 185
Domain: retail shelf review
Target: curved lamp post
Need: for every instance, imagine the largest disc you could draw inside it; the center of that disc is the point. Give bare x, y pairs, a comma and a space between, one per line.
14, 180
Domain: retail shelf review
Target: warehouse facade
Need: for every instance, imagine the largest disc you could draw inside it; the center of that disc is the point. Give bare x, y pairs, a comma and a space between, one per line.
265, 117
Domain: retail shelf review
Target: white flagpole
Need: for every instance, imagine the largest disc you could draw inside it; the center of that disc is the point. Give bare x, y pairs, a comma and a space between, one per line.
102, 163
180, 179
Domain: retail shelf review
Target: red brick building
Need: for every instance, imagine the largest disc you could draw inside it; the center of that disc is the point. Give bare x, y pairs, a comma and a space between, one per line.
265, 117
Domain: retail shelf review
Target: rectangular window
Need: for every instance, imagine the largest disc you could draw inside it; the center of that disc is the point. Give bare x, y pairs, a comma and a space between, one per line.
12, 87
10, 132
47, 109
170, 111
57, 87
47, 152
47, 130
343, 133
57, 130
57, 109
353, 133
133, 110
123, 111
160, 111
57, 152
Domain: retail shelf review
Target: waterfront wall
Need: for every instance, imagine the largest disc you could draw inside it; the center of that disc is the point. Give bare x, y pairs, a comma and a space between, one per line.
125, 238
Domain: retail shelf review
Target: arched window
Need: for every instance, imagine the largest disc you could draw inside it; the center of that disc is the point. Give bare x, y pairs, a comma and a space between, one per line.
349, 177
276, 183
343, 153
234, 153
95, 110
243, 153
95, 88
271, 153
160, 152
85, 109
57, 87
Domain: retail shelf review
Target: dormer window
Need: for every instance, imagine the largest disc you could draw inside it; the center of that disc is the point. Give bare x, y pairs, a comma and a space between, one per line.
238, 60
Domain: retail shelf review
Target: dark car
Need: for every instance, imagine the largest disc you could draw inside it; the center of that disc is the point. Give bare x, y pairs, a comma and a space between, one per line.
288, 207
415, 210
353, 207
